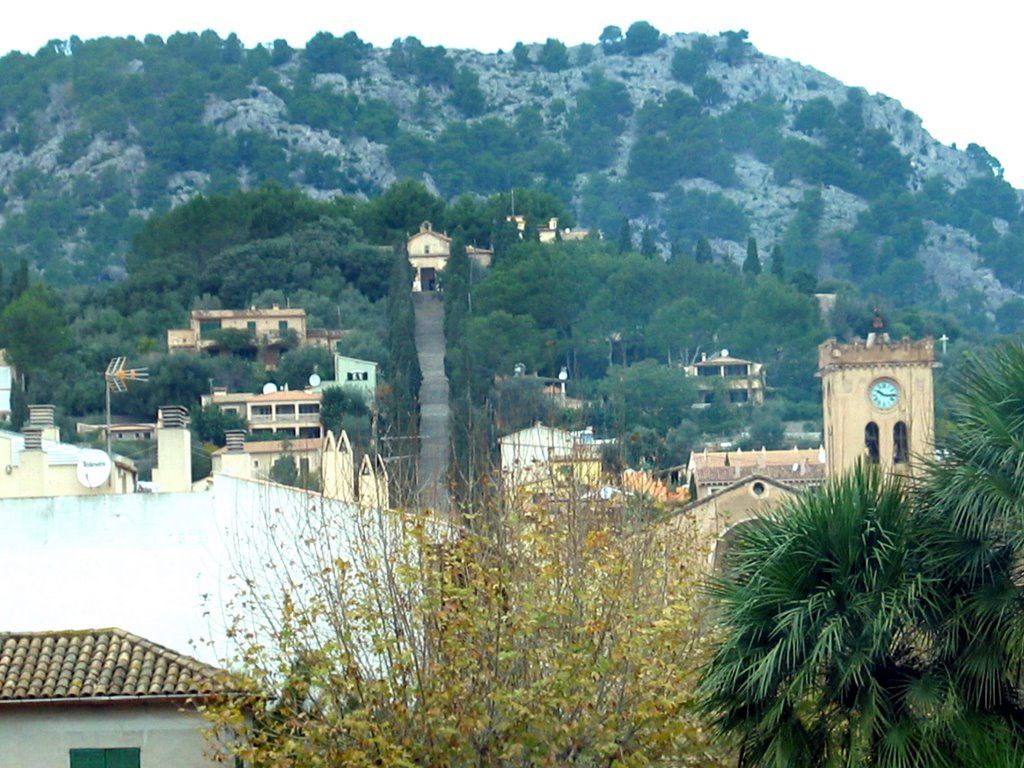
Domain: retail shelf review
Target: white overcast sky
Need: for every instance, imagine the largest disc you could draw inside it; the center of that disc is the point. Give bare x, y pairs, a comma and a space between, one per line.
954, 64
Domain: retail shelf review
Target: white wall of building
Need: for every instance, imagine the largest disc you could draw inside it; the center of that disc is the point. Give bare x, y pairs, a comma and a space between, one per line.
41, 736
156, 565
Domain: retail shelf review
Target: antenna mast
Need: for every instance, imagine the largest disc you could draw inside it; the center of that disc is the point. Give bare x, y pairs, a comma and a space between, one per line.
116, 378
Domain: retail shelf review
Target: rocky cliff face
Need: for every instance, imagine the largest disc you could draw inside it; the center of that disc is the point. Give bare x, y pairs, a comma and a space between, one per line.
424, 112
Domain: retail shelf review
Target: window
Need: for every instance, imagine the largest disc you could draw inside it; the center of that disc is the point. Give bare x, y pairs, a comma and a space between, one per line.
900, 443
206, 327
250, 327
738, 396
309, 409
282, 325
871, 442
357, 376
121, 757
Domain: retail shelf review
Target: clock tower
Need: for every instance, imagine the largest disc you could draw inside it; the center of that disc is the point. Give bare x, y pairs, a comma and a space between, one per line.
878, 402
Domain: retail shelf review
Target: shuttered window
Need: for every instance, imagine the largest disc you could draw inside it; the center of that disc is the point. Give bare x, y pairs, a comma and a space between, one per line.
121, 757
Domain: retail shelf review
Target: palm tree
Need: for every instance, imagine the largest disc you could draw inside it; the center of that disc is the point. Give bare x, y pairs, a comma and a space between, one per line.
974, 499
871, 624
817, 660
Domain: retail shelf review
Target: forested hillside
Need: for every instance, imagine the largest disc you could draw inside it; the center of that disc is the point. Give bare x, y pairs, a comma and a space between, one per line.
685, 136
723, 190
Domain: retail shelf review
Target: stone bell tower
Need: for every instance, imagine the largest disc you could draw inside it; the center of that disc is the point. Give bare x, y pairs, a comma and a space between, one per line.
878, 401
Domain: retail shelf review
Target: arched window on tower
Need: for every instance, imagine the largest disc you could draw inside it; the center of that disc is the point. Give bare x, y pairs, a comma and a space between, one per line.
871, 442
900, 443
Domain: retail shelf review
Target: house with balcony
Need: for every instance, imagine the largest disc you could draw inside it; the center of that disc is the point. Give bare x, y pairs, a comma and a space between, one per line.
740, 381
263, 334
282, 412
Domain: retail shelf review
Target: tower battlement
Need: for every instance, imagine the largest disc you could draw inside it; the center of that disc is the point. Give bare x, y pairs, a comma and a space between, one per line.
877, 349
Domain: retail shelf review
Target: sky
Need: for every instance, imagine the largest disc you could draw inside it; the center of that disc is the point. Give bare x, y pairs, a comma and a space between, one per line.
953, 64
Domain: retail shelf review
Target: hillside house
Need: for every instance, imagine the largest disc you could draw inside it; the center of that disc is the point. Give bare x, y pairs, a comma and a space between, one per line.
551, 233
741, 380
359, 375
428, 252
263, 333
295, 413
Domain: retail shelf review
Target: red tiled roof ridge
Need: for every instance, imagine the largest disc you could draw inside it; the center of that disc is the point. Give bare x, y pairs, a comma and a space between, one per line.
89, 663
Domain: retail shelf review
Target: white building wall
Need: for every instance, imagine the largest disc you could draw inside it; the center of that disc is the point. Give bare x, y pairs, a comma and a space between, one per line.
41, 736
156, 565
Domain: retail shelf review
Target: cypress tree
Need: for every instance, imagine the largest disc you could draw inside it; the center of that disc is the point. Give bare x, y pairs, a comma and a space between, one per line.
703, 253
778, 266
647, 245
625, 243
752, 264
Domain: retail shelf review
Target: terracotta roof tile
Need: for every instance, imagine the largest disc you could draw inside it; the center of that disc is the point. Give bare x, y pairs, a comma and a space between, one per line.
98, 663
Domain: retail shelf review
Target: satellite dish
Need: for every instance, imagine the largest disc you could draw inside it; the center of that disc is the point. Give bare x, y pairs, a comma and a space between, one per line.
314, 380
269, 388
725, 353
93, 468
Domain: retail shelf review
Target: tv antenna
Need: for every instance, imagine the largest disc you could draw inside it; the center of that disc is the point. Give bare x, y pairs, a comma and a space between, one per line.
116, 378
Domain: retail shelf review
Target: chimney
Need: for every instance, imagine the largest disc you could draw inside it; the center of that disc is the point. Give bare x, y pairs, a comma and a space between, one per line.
33, 438
235, 440
173, 471
234, 461
41, 417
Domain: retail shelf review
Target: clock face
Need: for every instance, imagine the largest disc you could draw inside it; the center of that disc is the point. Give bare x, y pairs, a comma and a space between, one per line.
884, 394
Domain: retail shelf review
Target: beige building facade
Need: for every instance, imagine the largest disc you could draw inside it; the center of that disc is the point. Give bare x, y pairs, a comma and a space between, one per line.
878, 402
428, 252
269, 331
296, 413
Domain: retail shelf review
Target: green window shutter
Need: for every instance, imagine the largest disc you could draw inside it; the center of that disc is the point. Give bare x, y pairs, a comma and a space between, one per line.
87, 758
122, 758
127, 757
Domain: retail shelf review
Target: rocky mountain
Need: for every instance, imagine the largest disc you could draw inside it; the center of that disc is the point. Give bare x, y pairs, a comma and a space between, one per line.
684, 136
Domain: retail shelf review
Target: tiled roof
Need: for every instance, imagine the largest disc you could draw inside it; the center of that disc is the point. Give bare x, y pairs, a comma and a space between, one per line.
85, 664
797, 473
214, 314
762, 458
